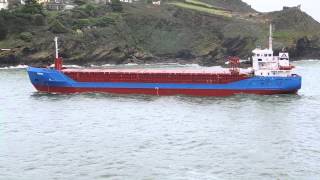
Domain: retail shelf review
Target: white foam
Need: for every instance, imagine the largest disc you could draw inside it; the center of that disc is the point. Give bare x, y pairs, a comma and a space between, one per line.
107, 65
72, 66
68, 66
166, 64
307, 60
312, 60
15, 67
193, 65
131, 64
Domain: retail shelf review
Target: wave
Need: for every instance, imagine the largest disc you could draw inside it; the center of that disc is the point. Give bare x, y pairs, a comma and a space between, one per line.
131, 64
307, 60
70, 66
15, 67
104, 65
312, 60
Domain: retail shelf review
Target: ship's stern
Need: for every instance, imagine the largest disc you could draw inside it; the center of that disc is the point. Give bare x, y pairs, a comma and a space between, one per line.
295, 83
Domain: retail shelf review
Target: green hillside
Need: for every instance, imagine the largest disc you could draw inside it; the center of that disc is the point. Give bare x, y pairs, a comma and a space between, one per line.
234, 5
190, 31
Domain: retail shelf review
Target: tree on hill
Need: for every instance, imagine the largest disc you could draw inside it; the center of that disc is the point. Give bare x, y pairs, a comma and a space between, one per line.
79, 2
14, 3
3, 29
32, 7
57, 27
116, 5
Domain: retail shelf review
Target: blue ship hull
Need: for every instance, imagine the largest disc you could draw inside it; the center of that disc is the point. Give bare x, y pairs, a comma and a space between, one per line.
53, 81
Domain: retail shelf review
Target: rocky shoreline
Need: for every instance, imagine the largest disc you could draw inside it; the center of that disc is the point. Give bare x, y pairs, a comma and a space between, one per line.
102, 63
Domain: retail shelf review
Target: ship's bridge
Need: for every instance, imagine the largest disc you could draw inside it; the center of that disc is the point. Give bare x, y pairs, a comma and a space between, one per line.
264, 59
263, 54
264, 63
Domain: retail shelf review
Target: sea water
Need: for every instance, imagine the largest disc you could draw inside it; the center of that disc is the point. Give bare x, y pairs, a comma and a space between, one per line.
133, 137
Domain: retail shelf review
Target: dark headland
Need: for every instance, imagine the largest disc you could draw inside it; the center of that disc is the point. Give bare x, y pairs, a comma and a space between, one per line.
190, 31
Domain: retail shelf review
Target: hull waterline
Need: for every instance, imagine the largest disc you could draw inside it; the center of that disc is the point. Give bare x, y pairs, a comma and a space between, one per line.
161, 92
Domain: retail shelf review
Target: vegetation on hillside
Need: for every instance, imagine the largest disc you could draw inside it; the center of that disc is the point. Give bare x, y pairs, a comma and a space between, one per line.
188, 31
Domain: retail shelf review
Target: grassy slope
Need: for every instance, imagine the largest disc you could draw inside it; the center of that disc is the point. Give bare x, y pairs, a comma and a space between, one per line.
234, 5
294, 23
197, 2
202, 7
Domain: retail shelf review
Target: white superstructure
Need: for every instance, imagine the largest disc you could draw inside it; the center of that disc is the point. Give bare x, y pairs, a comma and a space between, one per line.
264, 63
4, 4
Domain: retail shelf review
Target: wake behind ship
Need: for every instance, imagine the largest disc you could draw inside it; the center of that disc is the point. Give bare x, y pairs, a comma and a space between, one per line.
269, 75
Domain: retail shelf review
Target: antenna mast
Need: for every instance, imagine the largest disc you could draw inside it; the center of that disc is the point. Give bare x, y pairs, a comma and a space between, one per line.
56, 46
270, 38
58, 61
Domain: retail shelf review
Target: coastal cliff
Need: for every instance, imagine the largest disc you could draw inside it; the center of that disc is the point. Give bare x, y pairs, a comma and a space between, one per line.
191, 31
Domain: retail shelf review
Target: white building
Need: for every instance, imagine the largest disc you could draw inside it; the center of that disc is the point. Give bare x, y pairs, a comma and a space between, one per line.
124, 1
157, 3
101, 1
4, 4
23, 2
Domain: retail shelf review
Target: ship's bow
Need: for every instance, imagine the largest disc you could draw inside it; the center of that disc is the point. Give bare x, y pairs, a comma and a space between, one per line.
49, 80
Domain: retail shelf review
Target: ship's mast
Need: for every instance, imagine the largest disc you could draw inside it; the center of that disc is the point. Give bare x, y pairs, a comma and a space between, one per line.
58, 61
56, 46
270, 38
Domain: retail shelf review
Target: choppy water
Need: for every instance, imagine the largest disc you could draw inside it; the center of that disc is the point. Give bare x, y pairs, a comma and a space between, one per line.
95, 136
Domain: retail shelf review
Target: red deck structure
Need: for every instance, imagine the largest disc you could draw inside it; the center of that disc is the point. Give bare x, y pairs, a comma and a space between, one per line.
154, 76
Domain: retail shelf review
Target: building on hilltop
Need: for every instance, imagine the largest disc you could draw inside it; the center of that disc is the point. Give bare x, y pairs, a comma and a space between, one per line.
49, 4
43, 1
39, 1
157, 3
124, 1
57, 5
295, 7
52, 4
4, 4
101, 1
7, 4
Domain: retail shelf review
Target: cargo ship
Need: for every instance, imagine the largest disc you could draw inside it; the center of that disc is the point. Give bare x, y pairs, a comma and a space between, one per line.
268, 75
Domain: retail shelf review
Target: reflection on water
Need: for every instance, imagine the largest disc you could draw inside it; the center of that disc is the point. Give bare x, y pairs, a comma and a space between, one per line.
189, 99
107, 136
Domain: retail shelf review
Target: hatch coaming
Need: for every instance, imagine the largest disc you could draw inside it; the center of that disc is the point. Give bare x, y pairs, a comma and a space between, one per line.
154, 77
